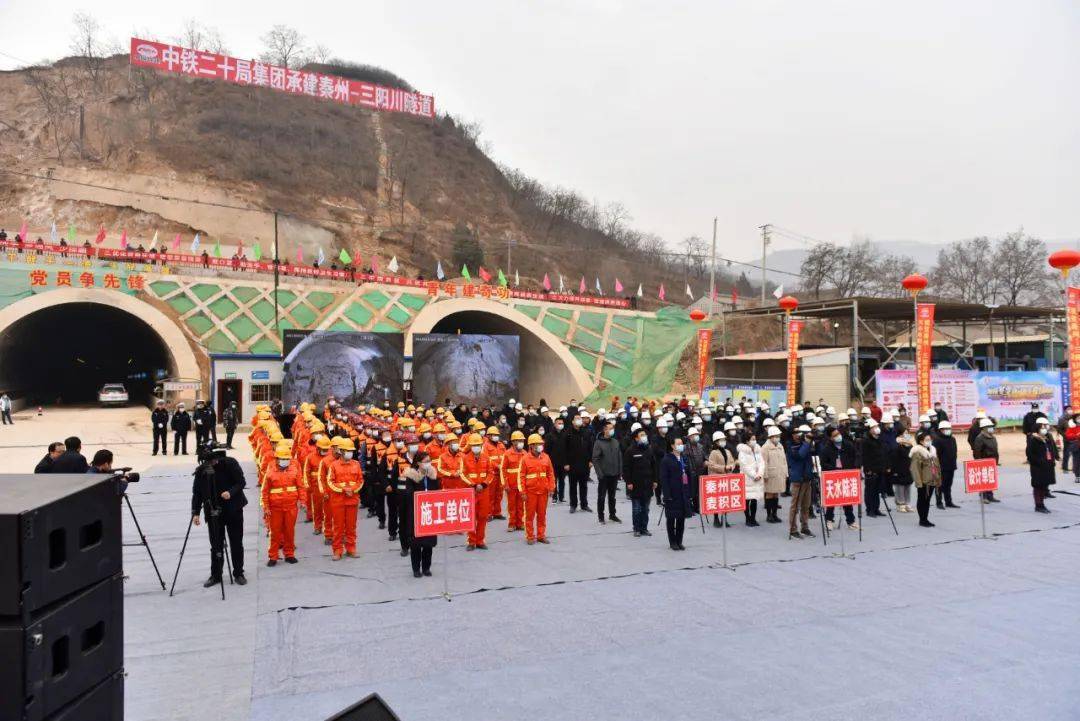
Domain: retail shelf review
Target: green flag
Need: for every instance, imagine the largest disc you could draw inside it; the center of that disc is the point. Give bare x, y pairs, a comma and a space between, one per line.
465, 272
256, 252
71, 234
502, 278
344, 257
217, 249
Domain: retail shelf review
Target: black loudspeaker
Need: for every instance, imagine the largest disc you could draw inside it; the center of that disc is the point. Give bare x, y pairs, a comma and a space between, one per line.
58, 534
65, 650
371, 708
104, 702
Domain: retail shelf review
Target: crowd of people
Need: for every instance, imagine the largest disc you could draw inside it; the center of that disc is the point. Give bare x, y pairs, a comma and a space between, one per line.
330, 462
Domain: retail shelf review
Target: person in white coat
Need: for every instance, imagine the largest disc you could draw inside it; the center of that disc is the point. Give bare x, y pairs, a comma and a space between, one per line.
752, 465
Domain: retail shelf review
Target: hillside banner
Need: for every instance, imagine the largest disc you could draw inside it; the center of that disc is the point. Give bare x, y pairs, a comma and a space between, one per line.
1073, 321
211, 66
704, 341
794, 329
924, 348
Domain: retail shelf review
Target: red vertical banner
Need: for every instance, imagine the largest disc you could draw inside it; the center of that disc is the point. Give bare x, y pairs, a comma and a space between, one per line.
794, 329
924, 347
1073, 318
704, 342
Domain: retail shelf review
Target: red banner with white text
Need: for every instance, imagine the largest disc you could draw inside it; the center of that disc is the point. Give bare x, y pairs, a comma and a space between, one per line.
794, 329
1073, 321
211, 66
704, 342
924, 349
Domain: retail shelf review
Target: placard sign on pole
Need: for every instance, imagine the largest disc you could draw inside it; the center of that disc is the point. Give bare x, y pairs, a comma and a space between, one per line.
722, 493
981, 476
439, 513
841, 488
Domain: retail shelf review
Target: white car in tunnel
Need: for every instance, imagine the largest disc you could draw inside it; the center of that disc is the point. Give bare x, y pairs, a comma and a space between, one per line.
113, 394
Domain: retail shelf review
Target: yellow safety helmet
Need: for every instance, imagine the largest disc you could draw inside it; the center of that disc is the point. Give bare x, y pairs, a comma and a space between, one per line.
536, 439
401, 404
453, 424
267, 425
323, 443
336, 441
283, 452
493, 431
264, 415
276, 436
346, 444
424, 428
475, 439
517, 436
440, 411
410, 407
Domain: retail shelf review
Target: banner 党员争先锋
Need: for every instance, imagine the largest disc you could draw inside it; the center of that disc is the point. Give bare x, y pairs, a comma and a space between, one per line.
924, 348
794, 329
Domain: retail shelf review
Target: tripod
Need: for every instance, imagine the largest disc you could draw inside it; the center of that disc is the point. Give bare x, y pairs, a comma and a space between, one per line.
142, 540
213, 517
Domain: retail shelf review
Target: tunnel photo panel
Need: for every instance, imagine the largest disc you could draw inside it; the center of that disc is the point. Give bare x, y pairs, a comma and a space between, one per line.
468, 368
355, 368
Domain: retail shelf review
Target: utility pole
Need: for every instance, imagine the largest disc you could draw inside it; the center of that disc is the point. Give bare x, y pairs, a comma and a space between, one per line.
712, 272
764, 250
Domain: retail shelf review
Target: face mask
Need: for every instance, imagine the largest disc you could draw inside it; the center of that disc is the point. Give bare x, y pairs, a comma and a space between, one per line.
646, 421
442, 437
662, 431
426, 436
454, 447
386, 439
774, 440
518, 445
677, 448
695, 439
838, 441
926, 442
924, 425
610, 434
1043, 430
458, 431
875, 431
283, 463
521, 423
946, 431
538, 449
347, 455
577, 424
643, 441
989, 429
558, 426
399, 444
476, 450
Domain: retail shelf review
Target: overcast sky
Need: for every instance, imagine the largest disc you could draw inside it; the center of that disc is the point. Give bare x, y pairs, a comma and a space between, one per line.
919, 120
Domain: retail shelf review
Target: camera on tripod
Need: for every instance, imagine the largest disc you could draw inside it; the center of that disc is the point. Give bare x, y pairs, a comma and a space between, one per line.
123, 476
210, 451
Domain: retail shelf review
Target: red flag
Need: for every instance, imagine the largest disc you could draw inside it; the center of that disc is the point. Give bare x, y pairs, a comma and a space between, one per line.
734, 297
662, 294
176, 242
581, 286
123, 238
547, 282
23, 231
299, 254
484, 275
100, 236
618, 286
374, 264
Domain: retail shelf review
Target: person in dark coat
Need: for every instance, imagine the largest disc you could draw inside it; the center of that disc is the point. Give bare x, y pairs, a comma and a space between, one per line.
576, 464
985, 445
556, 449
223, 492
71, 460
45, 465
675, 480
838, 452
1042, 460
940, 411
205, 422
945, 443
181, 426
659, 443
800, 477
159, 424
1031, 417
640, 472
230, 419
421, 476
874, 468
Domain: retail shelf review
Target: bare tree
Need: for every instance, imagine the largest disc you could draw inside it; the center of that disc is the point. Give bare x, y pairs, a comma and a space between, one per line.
1020, 266
201, 37
817, 267
613, 218
88, 44
57, 92
283, 46
965, 271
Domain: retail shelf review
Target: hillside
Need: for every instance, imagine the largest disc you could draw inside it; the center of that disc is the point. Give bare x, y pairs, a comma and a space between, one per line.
176, 155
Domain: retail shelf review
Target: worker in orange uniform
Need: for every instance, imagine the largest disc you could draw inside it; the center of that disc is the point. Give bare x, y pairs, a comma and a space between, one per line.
476, 471
280, 494
494, 450
320, 479
436, 445
316, 493
344, 479
511, 465
449, 466
536, 479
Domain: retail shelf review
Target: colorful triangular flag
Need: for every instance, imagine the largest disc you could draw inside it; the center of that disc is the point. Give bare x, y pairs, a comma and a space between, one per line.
176, 242
618, 286
517, 278
562, 286
662, 294
779, 292
502, 278
23, 231
465, 272
439, 271
321, 257
217, 248
392, 266
581, 285
256, 252
640, 291
123, 238
153, 243
689, 293
100, 236
599, 290
299, 255
344, 257
71, 234
547, 282
484, 275
195, 244
54, 237
374, 263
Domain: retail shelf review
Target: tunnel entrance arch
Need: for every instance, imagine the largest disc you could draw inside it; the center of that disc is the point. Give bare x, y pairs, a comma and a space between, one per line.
547, 367
64, 344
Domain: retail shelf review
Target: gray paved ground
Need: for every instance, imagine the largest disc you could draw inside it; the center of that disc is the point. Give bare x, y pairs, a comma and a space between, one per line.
930, 624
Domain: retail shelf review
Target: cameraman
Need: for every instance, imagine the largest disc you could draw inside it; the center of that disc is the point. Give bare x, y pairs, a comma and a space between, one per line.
218, 491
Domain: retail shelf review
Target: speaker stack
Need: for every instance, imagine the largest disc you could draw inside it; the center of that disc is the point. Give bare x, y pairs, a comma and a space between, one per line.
61, 598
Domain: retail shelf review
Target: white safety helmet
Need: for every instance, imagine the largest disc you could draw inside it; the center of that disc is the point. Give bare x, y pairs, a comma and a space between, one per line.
768, 422
830, 411
985, 423
1042, 421
944, 426
811, 419
661, 423
981, 414
924, 418
871, 423
866, 410
645, 413
635, 428
803, 429
773, 432
886, 417
717, 435
729, 426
